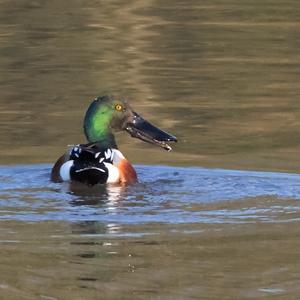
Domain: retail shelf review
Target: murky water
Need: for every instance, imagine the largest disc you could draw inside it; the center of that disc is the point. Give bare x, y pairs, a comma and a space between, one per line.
223, 77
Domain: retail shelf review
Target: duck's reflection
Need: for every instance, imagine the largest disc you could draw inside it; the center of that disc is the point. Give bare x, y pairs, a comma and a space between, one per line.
95, 243
95, 230
92, 232
107, 195
99, 239
108, 198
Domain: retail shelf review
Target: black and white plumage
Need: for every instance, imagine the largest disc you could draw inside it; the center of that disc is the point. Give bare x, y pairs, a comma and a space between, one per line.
100, 161
90, 164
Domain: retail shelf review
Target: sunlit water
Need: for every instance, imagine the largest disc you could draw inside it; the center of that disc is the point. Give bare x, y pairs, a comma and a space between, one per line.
223, 76
164, 194
177, 234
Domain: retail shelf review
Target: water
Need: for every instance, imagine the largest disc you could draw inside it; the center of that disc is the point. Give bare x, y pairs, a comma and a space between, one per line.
217, 218
179, 233
163, 195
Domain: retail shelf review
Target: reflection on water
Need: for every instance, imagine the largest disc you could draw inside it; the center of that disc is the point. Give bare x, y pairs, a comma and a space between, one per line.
79, 260
179, 233
164, 194
221, 75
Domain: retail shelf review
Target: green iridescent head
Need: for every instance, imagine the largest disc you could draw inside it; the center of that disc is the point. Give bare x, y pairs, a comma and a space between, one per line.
105, 115
108, 114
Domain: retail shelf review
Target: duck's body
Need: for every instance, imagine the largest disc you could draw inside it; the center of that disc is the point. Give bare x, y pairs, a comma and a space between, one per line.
93, 164
100, 161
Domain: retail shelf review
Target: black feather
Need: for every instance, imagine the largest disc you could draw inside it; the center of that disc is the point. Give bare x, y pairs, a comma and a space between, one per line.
88, 166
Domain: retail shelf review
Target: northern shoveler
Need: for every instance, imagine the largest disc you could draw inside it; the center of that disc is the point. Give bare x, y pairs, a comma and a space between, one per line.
100, 161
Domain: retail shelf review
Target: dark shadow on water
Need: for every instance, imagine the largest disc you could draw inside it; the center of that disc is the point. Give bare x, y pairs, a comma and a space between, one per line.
96, 195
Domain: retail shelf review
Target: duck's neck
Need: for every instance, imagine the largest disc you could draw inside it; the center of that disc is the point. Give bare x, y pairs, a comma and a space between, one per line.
97, 128
105, 141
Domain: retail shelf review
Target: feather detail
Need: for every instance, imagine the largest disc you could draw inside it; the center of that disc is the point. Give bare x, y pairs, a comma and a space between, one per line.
127, 172
113, 173
91, 164
65, 170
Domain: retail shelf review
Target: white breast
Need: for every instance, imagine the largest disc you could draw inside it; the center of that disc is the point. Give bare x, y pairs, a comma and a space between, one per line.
113, 173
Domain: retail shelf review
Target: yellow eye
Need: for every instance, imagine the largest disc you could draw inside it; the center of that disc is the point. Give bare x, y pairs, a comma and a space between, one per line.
118, 107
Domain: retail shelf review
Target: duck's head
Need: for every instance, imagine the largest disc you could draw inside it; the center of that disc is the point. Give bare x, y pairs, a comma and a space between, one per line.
108, 114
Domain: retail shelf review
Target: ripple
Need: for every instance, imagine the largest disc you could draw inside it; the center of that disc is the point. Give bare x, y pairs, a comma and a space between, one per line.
165, 194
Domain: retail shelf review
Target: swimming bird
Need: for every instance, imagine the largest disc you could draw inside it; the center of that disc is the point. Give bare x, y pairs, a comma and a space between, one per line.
100, 161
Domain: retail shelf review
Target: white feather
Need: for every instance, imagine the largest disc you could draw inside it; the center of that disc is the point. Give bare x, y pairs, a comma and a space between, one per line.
89, 168
64, 170
117, 156
113, 173
107, 154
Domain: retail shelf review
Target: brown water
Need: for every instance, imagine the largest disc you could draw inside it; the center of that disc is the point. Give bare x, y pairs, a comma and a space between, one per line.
220, 75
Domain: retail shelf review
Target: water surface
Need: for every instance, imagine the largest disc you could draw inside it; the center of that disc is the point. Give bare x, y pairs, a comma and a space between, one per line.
221, 75
218, 218
179, 233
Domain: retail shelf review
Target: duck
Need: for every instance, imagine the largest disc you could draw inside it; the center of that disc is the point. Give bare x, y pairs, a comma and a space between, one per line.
100, 161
